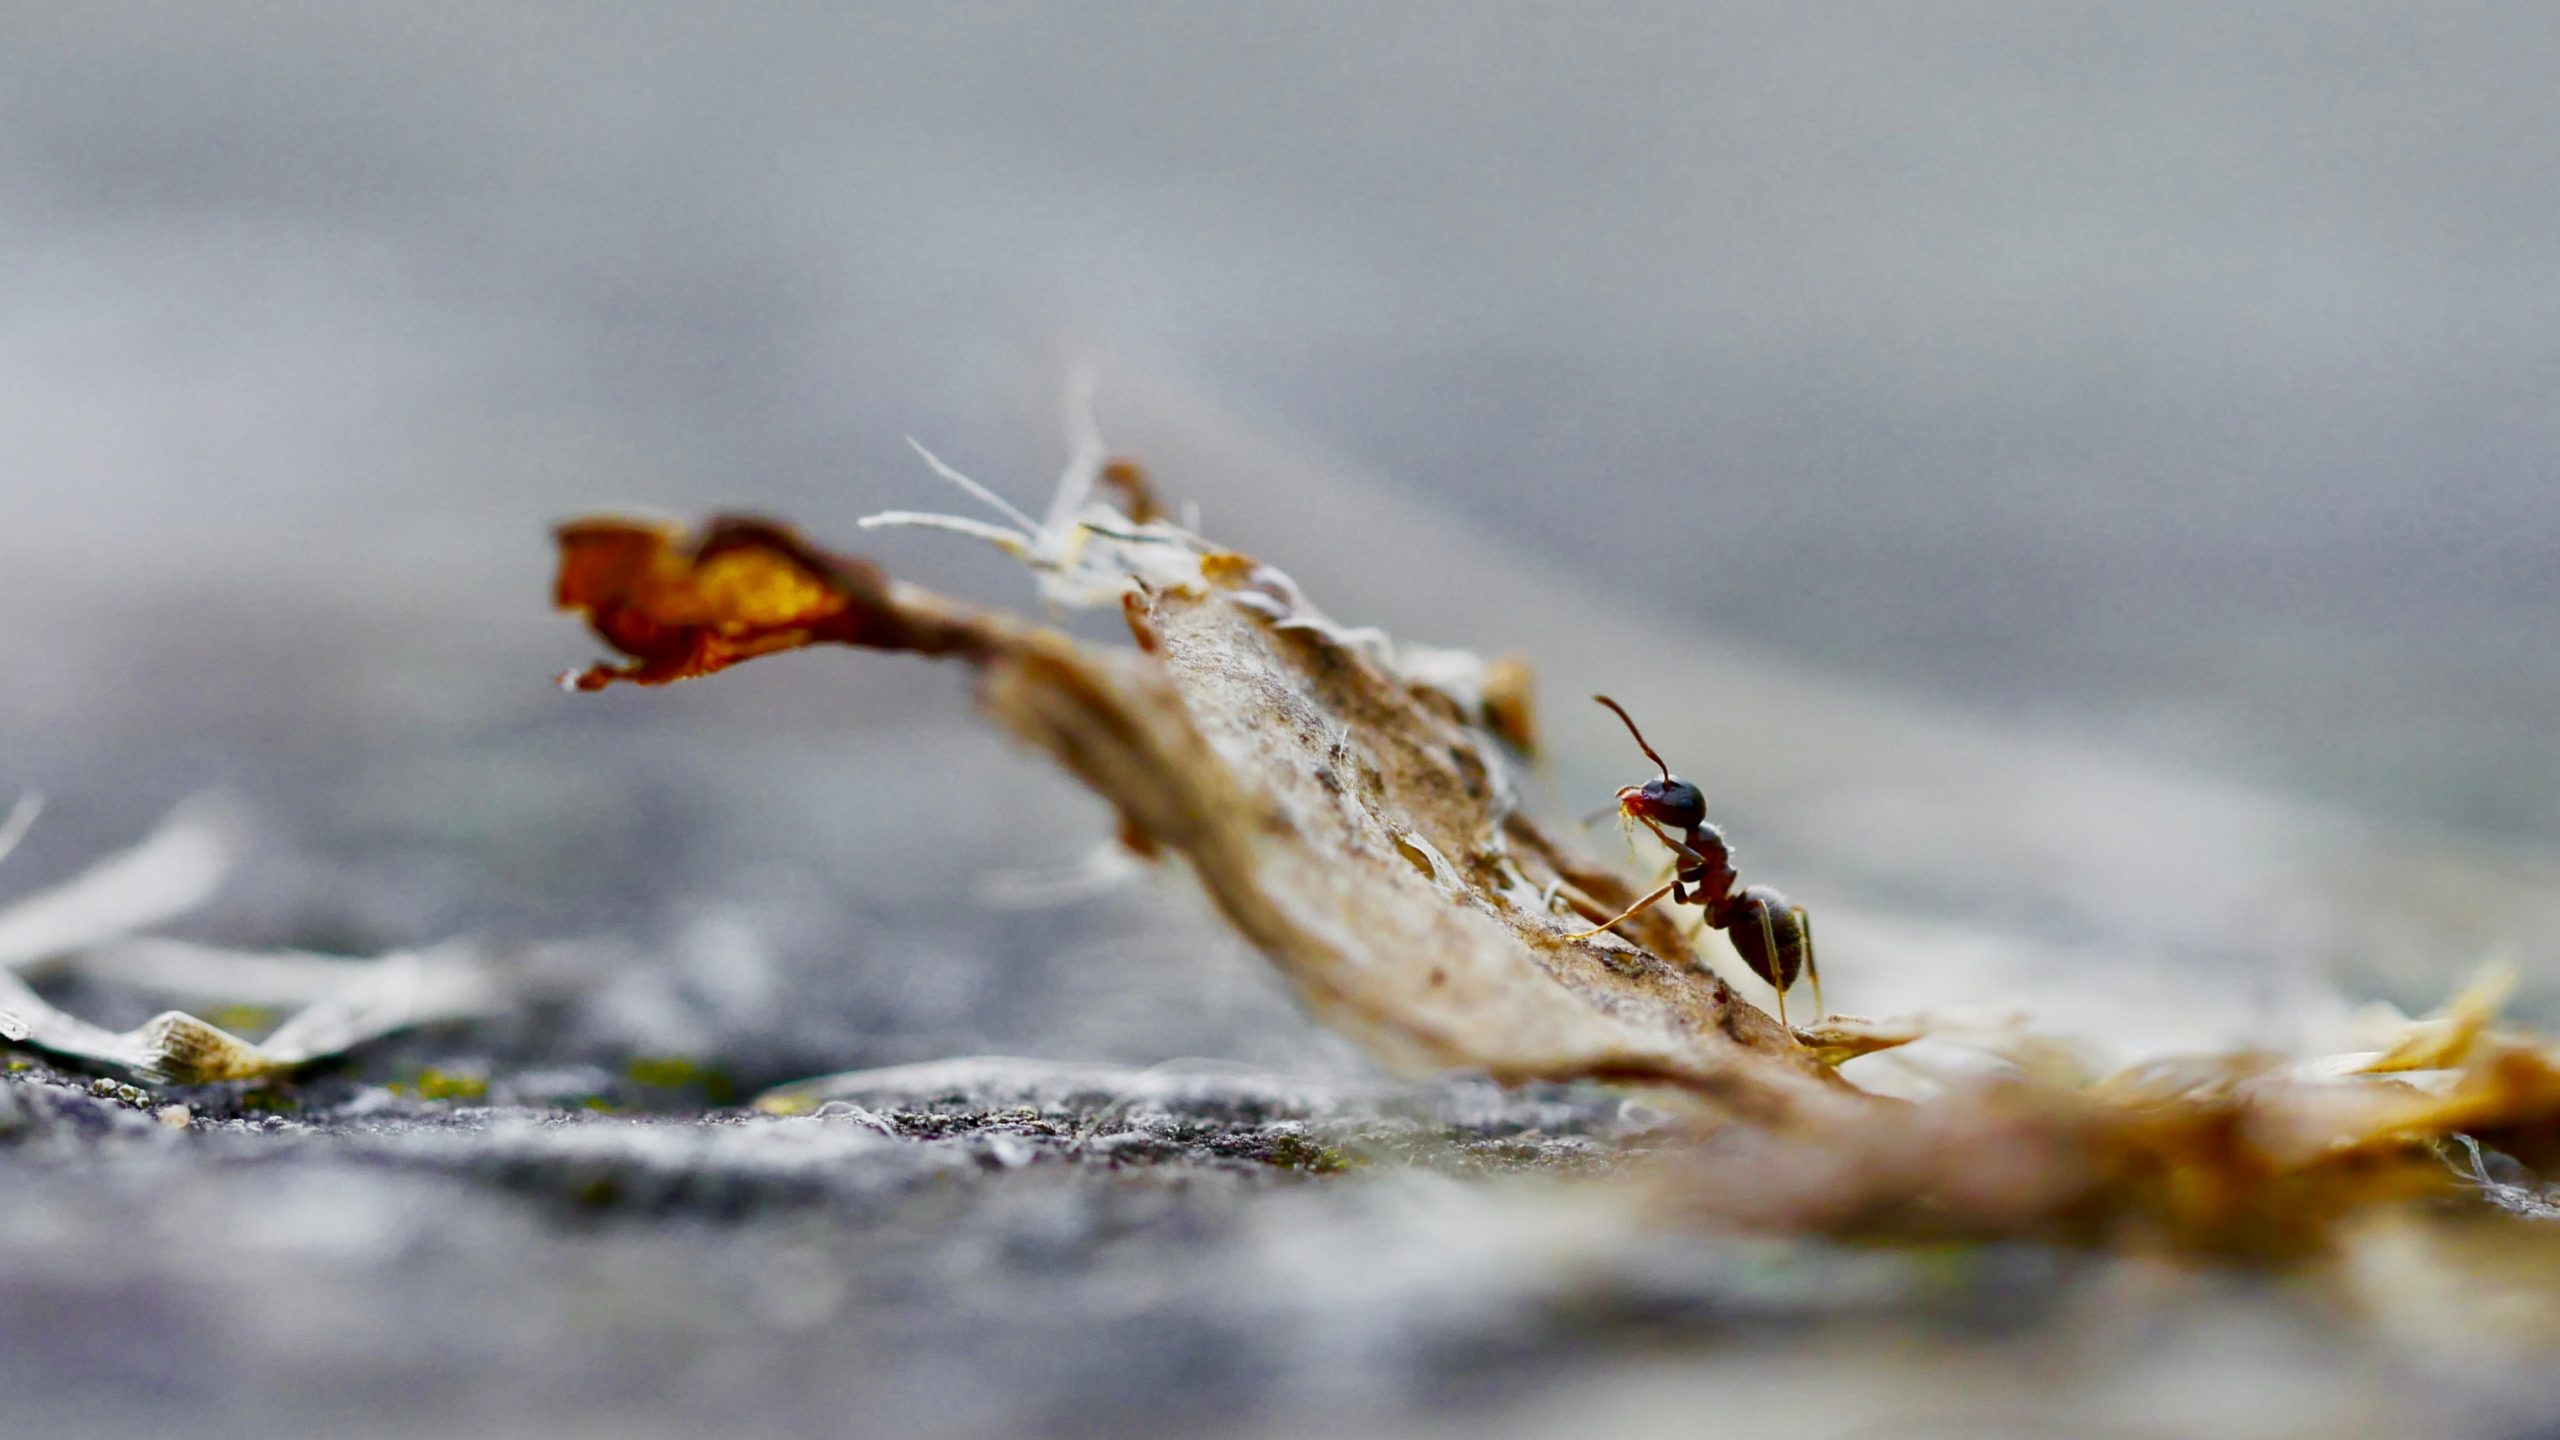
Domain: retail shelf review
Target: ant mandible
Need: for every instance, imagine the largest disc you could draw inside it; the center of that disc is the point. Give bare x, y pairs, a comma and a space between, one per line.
1773, 937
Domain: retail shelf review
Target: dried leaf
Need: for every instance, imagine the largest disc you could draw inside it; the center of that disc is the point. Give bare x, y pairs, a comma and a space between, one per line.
2241, 1155
394, 992
2241, 1175
173, 869
1339, 797
168, 874
1345, 801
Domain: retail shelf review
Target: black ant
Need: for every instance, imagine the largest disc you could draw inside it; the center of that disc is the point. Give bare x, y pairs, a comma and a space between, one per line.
1773, 937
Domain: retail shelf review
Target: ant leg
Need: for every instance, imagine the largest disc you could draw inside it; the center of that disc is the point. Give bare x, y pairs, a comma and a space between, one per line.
1812, 972
1679, 848
1629, 913
1778, 977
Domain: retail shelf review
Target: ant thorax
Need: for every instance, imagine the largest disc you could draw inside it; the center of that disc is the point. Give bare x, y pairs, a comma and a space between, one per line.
1710, 874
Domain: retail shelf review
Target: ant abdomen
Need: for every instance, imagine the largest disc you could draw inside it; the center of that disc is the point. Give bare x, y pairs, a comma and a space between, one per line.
1772, 936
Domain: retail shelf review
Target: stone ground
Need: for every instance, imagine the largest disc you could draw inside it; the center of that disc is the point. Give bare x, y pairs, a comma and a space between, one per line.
1017, 1248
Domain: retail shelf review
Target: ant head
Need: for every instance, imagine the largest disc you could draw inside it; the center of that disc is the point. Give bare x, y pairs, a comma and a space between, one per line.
1670, 801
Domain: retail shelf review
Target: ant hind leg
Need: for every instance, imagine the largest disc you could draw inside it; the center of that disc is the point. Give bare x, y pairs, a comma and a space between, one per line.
1812, 972
1778, 977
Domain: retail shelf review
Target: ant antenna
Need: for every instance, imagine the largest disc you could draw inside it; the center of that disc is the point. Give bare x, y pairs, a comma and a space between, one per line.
1632, 730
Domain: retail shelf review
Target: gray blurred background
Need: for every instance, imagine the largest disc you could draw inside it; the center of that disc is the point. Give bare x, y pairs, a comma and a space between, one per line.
2177, 379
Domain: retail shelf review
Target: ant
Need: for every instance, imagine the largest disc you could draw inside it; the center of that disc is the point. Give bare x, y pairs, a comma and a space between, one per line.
1773, 937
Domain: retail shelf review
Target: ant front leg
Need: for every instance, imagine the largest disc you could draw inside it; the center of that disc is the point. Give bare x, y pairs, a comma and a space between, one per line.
1680, 854
1629, 913
1680, 849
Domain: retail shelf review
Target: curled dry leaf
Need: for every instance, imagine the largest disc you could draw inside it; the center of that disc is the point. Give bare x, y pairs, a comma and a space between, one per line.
1341, 799
1346, 803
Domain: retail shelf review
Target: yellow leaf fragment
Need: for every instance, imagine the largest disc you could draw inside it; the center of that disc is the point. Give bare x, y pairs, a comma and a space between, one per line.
689, 605
2439, 1041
